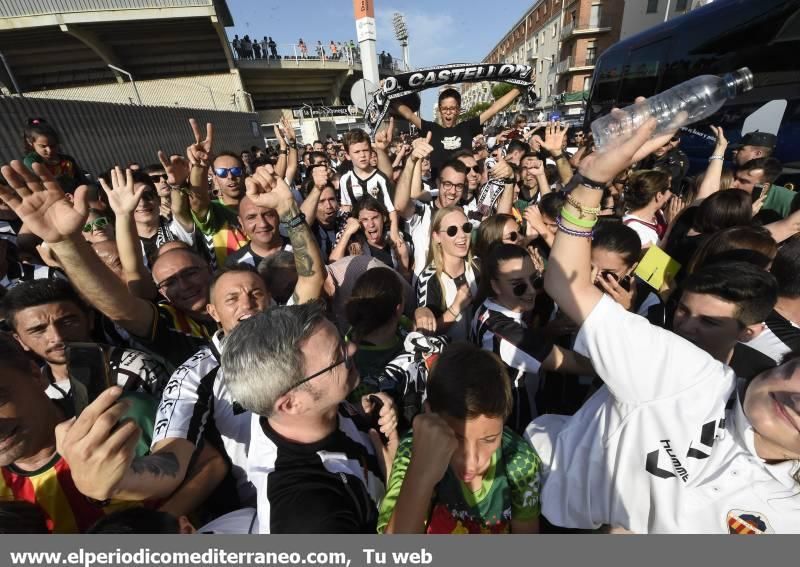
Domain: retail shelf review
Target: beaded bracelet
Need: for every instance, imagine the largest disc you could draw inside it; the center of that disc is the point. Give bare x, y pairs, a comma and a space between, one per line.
571, 232
720, 158
581, 209
570, 218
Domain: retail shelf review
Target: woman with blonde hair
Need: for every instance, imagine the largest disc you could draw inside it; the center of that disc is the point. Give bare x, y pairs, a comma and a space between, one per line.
447, 286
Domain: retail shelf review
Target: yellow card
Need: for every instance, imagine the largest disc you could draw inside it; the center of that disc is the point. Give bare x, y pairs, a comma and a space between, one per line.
657, 268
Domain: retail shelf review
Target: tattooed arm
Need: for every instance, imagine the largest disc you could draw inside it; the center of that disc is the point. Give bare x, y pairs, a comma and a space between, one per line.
206, 472
158, 474
266, 189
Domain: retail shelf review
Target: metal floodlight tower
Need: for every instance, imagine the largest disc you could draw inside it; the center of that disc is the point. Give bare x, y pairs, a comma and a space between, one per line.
401, 33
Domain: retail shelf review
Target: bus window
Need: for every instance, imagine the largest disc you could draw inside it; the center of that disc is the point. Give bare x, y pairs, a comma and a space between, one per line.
605, 84
642, 71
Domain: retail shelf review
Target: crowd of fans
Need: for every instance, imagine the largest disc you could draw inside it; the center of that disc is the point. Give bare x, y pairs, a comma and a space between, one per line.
266, 48
447, 333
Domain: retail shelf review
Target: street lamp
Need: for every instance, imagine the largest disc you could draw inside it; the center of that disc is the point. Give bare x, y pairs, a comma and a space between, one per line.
124, 72
401, 33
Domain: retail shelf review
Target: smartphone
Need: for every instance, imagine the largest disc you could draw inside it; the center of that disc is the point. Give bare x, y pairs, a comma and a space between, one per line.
89, 373
757, 192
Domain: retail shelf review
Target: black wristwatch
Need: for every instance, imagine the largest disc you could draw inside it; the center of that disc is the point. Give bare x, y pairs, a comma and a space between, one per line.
296, 221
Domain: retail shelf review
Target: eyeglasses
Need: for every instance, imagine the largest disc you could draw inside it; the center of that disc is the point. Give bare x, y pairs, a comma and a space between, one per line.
449, 109
452, 230
159, 177
346, 360
223, 171
97, 224
474, 169
183, 275
447, 185
536, 282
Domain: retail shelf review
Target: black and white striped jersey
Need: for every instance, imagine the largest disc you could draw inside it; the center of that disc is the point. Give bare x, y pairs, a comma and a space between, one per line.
779, 337
439, 293
521, 349
19, 272
352, 188
197, 404
332, 486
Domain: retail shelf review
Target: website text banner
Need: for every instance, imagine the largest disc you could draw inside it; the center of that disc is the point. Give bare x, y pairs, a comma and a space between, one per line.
390, 551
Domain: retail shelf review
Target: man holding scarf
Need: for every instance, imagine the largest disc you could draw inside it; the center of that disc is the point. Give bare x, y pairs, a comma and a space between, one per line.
452, 135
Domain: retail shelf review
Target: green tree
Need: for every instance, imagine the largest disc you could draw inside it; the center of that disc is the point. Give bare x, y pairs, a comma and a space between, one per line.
476, 110
500, 89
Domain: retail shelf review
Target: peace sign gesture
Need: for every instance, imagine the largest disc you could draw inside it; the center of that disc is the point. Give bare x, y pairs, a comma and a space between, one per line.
39, 201
199, 153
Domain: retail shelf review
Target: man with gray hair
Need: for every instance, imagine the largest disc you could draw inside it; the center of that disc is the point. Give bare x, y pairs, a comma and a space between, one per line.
321, 463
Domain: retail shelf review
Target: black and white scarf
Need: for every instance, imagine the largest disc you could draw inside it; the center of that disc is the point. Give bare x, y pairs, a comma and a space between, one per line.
408, 83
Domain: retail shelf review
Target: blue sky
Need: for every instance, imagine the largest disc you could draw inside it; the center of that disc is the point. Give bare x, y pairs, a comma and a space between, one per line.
441, 31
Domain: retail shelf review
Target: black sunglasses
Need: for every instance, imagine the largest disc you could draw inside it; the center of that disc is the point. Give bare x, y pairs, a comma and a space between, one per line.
475, 169
159, 177
452, 230
624, 282
536, 282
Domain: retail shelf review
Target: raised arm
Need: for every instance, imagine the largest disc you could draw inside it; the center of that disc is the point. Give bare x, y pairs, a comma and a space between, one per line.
422, 147
124, 199
291, 159
339, 251
505, 202
568, 276
269, 190
177, 170
408, 114
283, 153
200, 157
711, 179
383, 139
554, 142
319, 174
403, 201
38, 200
499, 105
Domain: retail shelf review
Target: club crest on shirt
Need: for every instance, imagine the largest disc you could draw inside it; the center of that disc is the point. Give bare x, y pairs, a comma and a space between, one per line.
451, 142
741, 522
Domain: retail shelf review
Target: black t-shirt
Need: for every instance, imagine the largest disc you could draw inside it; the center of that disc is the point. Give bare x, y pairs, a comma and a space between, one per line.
383, 254
446, 141
331, 486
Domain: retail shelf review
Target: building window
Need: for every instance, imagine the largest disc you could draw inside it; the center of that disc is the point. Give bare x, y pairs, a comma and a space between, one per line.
594, 16
652, 6
550, 89
587, 83
680, 5
535, 44
591, 52
555, 28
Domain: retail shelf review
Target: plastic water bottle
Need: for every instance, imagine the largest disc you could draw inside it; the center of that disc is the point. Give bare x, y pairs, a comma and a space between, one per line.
699, 97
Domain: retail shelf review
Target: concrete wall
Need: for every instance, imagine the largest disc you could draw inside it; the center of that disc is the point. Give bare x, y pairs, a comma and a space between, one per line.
218, 91
99, 135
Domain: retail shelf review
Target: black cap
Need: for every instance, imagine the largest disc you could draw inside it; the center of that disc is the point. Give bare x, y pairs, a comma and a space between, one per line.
762, 139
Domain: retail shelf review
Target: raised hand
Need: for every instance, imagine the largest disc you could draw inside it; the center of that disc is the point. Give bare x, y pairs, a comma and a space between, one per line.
177, 169
266, 189
433, 444
383, 139
38, 200
722, 141
320, 176
289, 129
200, 153
122, 196
422, 148
554, 136
501, 170
603, 166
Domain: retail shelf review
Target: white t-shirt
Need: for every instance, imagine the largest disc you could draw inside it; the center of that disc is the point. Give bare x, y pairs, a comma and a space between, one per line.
664, 447
646, 231
377, 184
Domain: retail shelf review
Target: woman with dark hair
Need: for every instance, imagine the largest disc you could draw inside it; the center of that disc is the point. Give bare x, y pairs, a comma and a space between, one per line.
616, 249
367, 232
646, 193
720, 210
41, 145
388, 350
497, 228
751, 244
510, 285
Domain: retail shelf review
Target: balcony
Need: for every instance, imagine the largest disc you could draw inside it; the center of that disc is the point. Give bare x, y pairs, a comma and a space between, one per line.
571, 65
575, 29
